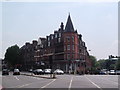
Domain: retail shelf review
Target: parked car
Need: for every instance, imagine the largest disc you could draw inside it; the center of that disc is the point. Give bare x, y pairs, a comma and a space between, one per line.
58, 71
118, 72
5, 72
38, 71
47, 71
103, 72
16, 72
112, 72
30, 70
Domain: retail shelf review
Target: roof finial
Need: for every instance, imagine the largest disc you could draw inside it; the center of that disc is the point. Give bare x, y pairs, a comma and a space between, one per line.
69, 13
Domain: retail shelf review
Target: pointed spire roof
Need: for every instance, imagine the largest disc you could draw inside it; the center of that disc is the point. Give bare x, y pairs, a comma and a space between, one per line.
69, 26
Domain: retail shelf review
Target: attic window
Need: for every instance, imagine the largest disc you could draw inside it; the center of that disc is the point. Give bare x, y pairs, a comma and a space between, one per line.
48, 43
55, 35
59, 39
48, 38
52, 37
59, 34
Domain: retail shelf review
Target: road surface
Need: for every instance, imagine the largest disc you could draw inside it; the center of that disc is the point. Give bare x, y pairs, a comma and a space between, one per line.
69, 82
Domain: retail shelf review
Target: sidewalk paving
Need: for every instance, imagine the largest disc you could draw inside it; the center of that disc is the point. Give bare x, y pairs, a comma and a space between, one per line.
47, 76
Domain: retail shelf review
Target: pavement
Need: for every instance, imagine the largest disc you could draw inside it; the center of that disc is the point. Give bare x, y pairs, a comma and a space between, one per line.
66, 82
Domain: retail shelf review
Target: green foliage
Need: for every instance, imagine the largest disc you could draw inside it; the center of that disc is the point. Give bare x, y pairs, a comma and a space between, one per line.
95, 64
94, 60
12, 55
102, 63
112, 67
118, 64
107, 64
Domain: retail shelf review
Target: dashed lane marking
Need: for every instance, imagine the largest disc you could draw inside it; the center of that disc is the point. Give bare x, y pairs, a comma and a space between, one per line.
94, 83
16, 77
70, 83
24, 85
20, 86
48, 83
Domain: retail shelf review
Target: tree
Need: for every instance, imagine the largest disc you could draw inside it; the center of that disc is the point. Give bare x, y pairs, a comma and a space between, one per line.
118, 64
95, 65
12, 55
102, 63
107, 64
94, 60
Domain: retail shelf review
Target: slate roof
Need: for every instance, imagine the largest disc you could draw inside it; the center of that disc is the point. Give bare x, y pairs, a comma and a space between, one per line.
69, 26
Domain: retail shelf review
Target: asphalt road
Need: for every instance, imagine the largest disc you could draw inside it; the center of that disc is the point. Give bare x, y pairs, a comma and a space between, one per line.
62, 81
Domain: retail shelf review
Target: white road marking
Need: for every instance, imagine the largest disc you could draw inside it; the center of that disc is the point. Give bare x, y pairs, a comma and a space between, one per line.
48, 83
36, 78
70, 82
20, 86
116, 83
16, 77
94, 83
24, 85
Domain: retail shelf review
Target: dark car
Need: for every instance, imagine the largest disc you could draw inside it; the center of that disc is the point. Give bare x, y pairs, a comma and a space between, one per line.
30, 70
16, 72
103, 72
5, 72
38, 71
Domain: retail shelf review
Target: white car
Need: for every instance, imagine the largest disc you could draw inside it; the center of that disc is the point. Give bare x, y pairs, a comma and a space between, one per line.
47, 71
16, 72
38, 71
118, 72
30, 70
58, 71
112, 72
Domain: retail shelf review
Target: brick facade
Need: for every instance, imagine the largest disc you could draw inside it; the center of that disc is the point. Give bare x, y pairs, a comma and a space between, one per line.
65, 49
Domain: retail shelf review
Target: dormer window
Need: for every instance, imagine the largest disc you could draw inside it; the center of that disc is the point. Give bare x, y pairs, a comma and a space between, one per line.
48, 43
55, 35
48, 38
59, 40
52, 37
59, 34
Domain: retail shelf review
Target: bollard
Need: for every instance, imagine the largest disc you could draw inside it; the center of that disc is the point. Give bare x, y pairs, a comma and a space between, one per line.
54, 75
50, 75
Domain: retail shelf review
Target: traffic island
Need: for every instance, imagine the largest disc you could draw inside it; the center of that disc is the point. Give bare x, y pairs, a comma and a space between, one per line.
49, 76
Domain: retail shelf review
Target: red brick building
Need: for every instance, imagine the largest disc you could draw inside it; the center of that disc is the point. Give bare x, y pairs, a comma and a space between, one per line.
65, 49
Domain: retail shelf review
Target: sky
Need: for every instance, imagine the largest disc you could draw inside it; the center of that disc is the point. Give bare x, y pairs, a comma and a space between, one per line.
26, 21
